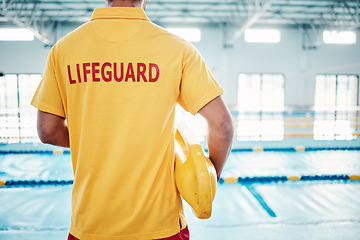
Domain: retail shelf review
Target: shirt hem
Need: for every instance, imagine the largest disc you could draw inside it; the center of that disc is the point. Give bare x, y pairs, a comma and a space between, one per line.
205, 100
145, 236
46, 108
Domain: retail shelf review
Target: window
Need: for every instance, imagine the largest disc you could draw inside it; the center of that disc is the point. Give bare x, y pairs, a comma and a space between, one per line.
16, 34
17, 117
336, 91
334, 37
196, 124
261, 92
189, 34
260, 127
335, 99
260, 102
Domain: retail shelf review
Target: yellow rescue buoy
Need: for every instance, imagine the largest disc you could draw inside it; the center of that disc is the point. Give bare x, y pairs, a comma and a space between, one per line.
195, 174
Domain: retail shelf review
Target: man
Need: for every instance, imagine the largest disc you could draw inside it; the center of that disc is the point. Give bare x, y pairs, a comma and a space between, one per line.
109, 93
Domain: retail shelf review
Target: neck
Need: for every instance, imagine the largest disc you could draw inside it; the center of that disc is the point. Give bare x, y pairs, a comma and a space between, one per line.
125, 3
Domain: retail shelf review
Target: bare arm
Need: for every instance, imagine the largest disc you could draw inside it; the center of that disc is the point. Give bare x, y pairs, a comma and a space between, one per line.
52, 129
221, 132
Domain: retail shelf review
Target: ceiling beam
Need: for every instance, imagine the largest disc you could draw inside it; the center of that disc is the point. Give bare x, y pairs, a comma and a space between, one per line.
259, 11
41, 29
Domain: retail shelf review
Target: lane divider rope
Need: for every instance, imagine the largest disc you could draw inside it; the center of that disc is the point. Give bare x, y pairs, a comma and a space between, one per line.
288, 178
298, 148
242, 180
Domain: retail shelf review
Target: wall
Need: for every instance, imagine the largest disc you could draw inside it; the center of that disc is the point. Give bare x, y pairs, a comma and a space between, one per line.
299, 66
23, 57
287, 57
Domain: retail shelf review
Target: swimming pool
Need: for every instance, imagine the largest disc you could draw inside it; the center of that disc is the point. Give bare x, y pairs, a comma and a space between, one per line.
304, 209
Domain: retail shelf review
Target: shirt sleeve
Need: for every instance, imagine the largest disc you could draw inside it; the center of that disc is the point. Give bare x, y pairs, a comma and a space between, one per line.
47, 97
198, 87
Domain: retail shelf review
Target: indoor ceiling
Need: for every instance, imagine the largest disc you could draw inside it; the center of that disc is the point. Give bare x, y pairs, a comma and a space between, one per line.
44, 17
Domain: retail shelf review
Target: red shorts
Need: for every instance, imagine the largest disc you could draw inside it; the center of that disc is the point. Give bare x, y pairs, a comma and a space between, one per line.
182, 235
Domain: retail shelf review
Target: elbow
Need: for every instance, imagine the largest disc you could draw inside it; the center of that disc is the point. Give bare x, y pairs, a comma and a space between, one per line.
45, 140
228, 130
52, 129
45, 136
224, 130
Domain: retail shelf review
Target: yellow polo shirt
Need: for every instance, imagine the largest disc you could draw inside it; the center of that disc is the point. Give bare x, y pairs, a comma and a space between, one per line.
116, 80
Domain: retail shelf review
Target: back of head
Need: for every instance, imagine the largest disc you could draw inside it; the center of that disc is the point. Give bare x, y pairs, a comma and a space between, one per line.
126, 3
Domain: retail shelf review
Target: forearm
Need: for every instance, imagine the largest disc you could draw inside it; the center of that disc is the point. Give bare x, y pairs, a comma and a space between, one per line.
221, 132
219, 144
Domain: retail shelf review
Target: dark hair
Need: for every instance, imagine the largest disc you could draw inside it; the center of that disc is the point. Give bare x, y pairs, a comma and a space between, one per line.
123, 0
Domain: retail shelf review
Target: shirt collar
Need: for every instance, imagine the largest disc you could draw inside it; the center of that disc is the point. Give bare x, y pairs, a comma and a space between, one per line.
119, 13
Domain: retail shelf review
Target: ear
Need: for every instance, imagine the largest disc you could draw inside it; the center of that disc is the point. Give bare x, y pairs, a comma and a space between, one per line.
143, 5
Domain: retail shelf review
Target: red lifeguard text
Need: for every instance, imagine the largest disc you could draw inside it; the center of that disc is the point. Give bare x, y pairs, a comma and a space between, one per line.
107, 72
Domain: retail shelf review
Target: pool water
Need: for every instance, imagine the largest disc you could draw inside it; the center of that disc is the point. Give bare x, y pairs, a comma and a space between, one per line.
255, 210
